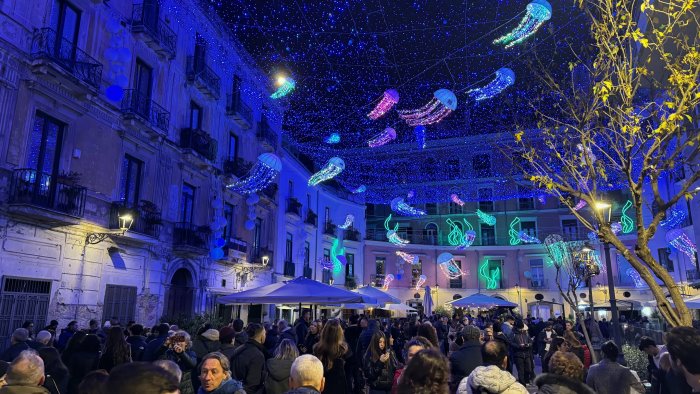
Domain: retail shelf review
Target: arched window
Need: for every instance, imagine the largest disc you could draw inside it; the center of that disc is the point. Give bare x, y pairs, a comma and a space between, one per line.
431, 234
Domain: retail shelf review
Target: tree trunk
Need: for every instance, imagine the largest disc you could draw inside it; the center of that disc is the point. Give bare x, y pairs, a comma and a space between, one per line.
582, 321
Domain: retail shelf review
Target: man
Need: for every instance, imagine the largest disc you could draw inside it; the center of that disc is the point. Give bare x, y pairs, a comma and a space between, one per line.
18, 342
25, 375
137, 342
248, 361
683, 344
306, 376
226, 337
66, 335
353, 371
215, 376
285, 332
240, 337
492, 377
301, 326
149, 354
43, 339
467, 358
520, 348
608, 370
544, 339
442, 330
94, 328
140, 377
507, 326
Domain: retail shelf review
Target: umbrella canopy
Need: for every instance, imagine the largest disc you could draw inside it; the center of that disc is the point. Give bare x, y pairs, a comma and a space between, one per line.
481, 301
381, 296
299, 290
399, 310
427, 302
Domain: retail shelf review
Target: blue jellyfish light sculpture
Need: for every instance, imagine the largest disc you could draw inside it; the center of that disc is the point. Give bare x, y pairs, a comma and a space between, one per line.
400, 206
443, 103
448, 266
333, 167
383, 138
505, 77
332, 139
536, 13
260, 176
284, 89
359, 189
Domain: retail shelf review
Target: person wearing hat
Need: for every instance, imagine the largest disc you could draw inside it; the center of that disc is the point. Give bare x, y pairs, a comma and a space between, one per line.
521, 348
467, 357
226, 336
206, 342
18, 344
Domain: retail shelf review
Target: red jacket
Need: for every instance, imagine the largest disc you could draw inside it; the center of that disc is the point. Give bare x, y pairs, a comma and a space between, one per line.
395, 384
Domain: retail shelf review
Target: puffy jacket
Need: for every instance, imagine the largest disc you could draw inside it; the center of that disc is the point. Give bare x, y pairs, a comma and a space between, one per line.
277, 379
379, 375
248, 366
550, 383
491, 380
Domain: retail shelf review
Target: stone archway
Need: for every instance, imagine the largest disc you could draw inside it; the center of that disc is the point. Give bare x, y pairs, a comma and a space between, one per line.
179, 299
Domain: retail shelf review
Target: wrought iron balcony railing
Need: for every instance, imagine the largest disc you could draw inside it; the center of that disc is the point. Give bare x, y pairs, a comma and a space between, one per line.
293, 207
47, 44
204, 77
237, 108
187, 234
352, 234
138, 104
329, 228
147, 217
237, 167
199, 141
45, 190
311, 218
144, 19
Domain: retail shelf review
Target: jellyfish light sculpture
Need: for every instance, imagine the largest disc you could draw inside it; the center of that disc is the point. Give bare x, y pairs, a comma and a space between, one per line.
408, 258
527, 238
625, 220
400, 206
443, 103
392, 236
455, 199
348, 222
536, 13
333, 167
284, 89
505, 77
673, 218
636, 278
387, 281
389, 99
332, 139
260, 176
580, 205
359, 189
448, 266
383, 138
616, 227
679, 240
421, 280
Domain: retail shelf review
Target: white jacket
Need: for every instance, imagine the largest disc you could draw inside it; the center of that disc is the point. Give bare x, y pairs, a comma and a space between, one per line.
492, 379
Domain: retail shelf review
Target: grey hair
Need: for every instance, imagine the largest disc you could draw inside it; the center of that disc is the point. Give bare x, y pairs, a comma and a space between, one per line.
171, 367
307, 369
44, 337
26, 370
286, 350
223, 360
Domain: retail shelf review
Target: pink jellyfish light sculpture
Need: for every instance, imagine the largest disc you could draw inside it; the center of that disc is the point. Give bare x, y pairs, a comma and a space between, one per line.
443, 103
390, 98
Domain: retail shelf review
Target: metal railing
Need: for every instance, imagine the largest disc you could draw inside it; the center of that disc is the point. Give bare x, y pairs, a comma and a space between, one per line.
145, 19
141, 105
293, 207
329, 228
198, 71
311, 218
237, 167
236, 106
199, 141
538, 283
266, 135
146, 221
46, 43
44, 190
187, 234
352, 234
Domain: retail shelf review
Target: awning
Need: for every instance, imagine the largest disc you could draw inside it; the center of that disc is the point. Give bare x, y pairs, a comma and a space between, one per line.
479, 300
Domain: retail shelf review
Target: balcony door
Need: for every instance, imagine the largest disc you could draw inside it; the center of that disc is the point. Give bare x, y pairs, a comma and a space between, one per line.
143, 82
130, 184
200, 53
187, 203
65, 21
151, 10
43, 156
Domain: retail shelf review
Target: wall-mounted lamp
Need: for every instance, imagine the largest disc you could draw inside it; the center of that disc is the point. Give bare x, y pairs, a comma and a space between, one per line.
125, 222
265, 261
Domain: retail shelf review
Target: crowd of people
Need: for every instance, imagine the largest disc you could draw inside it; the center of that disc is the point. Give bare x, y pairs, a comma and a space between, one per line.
436, 354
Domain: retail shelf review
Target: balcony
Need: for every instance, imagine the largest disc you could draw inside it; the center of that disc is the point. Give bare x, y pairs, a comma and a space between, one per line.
289, 269
311, 218
235, 249
237, 167
70, 63
329, 229
190, 238
692, 275
266, 136
148, 26
293, 207
308, 272
35, 189
203, 77
352, 234
198, 141
239, 111
147, 217
136, 105
377, 280
538, 283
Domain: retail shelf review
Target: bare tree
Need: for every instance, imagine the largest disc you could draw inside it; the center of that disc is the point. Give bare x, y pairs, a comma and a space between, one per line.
628, 123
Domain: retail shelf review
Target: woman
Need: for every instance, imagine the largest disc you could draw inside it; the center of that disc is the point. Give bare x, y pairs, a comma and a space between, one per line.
573, 345
379, 365
565, 377
312, 337
332, 351
554, 346
117, 350
279, 367
177, 348
83, 361
428, 372
56, 372
72, 347
428, 331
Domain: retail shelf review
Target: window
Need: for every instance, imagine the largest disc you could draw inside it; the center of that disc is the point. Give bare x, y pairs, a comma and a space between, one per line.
327, 274
665, 259
482, 165
456, 283
327, 212
537, 273
45, 144
229, 215
195, 116
350, 266
22, 299
491, 277
232, 147
120, 303
431, 208
416, 272
488, 235
485, 199
288, 247
307, 260
290, 189
525, 203
623, 271
455, 208
151, 10
380, 265
187, 203
257, 235
143, 80
65, 20
529, 227
569, 228
236, 89
130, 184
200, 52
431, 234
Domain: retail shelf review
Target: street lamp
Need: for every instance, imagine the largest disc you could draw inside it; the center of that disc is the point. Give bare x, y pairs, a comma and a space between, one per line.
606, 209
125, 222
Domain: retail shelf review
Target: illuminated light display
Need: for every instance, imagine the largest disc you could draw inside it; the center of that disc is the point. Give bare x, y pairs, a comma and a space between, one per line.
580, 205
337, 250
387, 281
492, 278
486, 218
625, 220
586, 154
673, 218
392, 235
333, 167
616, 227
448, 266
260, 176
557, 248
443, 103
383, 138
513, 233
421, 280
462, 239
505, 77
408, 258
389, 99
527, 238
359, 189
400, 206
636, 278
325, 263
419, 132
680, 241
334, 138
284, 89
536, 13
349, 218
455, 199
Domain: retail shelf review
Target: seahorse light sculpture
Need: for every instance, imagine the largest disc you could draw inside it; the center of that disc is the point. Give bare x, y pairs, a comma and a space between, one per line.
392, 235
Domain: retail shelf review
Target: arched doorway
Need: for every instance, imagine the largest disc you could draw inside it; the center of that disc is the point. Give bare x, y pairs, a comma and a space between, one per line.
180, 296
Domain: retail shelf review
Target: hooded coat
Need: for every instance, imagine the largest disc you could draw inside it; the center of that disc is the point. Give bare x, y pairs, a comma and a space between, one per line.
492, 380
550, 383
277, 379
206, 343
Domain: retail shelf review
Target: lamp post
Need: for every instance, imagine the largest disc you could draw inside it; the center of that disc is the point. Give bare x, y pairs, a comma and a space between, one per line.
606, 209
125, 222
